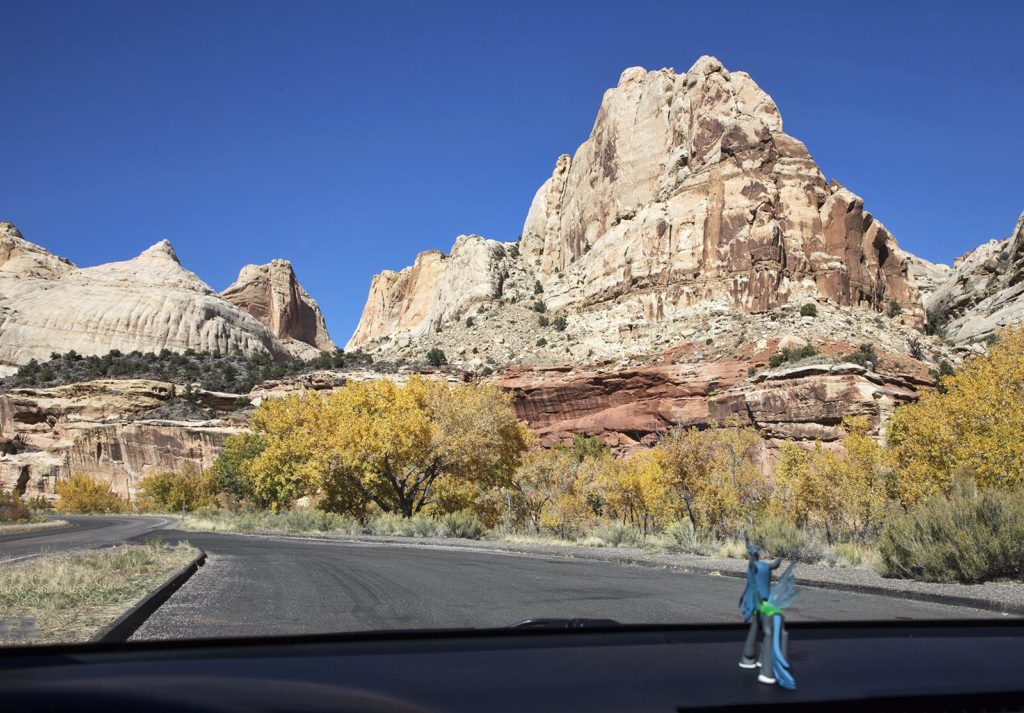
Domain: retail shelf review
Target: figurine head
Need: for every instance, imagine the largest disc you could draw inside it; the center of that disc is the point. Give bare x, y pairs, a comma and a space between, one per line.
753, 551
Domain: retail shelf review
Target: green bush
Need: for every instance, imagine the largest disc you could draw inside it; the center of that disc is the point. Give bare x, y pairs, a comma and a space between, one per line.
175, 490
957, 538
230, 470
462, 524
792, 354
470, 322
894, 309
315, 521
537, 287
865, 353
681, 536
542, 342
560, 323
539, 306
436, 357
809, 310
617, 535
543, 320
12, 509
778, 537
82, 494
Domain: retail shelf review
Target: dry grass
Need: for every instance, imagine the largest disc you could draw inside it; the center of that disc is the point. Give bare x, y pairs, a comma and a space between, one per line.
13, 527
71, 596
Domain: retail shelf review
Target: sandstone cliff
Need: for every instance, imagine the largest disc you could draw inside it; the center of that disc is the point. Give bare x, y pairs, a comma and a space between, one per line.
272, 294
148, 303
687, 201
984, 291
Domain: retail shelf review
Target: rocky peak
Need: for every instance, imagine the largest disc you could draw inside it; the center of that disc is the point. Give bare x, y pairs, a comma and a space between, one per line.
157, 265
20, 257
272, 294
686, 202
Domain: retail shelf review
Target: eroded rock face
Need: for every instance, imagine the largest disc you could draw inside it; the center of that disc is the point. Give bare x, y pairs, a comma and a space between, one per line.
99, 428
630, 408
272, 294
687, 193
148, 303
984, 291
435, 290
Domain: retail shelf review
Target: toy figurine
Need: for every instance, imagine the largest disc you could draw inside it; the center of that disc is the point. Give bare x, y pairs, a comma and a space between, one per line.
762, 604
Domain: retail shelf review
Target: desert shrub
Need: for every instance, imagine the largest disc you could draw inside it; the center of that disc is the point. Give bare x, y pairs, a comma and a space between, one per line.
394, 525
962, 537
537, 287
809, 310
560, 323
315, 521
780, 538
174, 490
470, 322
543, 320
915, 348
82, 494
436, 357
937, 322
461, 524
513, 251
539, 306
865, 353
617, 535
12, 509
681, 536
542, 342
893, 309
790, 354
751, 370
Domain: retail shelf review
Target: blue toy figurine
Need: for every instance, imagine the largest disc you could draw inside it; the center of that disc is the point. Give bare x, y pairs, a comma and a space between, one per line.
762, 605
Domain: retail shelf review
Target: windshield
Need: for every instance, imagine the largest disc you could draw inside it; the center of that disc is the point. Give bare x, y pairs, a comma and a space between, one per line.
342, 318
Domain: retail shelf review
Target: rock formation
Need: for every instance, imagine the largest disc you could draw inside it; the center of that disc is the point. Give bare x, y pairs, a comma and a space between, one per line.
101, 428
687, 195
148, 303
272, 294
984, 291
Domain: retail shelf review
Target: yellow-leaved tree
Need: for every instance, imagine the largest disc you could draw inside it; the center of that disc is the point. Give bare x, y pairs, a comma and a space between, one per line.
844, 495
975, 428
715, 475
384, 443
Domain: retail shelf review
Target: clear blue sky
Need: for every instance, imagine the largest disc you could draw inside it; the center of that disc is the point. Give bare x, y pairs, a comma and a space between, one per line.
349, 136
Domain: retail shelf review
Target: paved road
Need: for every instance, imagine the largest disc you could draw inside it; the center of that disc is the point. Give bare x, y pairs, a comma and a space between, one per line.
255, 585
267, 585
83, 532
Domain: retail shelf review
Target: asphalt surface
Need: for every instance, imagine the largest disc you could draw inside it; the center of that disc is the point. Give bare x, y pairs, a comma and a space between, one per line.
264, 585
83, 532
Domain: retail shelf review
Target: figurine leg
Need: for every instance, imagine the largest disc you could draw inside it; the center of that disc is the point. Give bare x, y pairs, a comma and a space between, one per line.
767, 661
749, 659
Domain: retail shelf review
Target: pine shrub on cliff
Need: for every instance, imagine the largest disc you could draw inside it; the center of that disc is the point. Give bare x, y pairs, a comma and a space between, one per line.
214, 371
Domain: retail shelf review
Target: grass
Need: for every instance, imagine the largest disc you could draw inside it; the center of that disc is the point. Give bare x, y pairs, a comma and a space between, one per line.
71, 596
7, 528
677, 538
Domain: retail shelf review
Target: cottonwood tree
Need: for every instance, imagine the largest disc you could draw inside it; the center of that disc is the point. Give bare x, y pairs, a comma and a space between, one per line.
974, 429
385, 443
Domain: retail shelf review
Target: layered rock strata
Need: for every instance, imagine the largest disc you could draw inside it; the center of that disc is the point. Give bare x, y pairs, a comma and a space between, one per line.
272, 294
145, 304
687, 194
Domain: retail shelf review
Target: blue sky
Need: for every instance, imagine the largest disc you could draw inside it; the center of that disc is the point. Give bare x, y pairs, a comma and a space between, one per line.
349, 136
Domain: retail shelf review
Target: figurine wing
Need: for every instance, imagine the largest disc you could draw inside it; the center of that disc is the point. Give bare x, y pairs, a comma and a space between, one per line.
785, 591
780, 666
